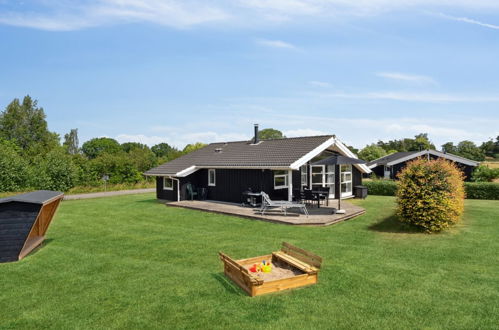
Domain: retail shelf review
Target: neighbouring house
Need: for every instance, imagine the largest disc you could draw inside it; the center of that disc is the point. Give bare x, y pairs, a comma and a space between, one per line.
389, 166
279, 167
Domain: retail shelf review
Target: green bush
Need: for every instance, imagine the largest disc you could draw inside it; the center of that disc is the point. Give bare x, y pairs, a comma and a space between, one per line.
55, 171
482, 190
381, 187
14, 170
484, 173
119, 167
430, 194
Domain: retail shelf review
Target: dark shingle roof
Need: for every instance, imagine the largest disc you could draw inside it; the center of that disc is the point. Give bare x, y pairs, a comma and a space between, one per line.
267, 153
386, 159
35, 197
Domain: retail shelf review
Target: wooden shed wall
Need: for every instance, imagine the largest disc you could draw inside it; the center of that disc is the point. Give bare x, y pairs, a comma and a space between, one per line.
16, 221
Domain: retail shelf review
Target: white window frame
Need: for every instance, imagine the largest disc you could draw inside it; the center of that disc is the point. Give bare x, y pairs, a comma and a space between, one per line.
324, 174
303, 175
164, 183
214, 183
346, 182
278, 174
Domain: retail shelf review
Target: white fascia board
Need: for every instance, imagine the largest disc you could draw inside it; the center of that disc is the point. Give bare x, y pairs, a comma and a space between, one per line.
314, 153
246, 167
454, 158
403, 159
347, 152
186, 172
372, 166
161, 175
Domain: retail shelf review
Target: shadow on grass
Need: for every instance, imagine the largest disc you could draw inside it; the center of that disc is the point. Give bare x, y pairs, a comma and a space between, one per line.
392, 225
228, 284
149, 201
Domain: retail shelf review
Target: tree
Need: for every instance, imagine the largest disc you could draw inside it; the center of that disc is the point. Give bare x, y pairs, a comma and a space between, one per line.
71, 142
163, 150
491, 148
353, 149
449, 147
372, 152
99, 146
119, 166
193, 147
14, 171
129, 146
24, 124
468, 149
270, 133
421, 142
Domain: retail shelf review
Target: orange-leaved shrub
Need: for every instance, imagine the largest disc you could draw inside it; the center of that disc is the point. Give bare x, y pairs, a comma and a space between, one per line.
430, 194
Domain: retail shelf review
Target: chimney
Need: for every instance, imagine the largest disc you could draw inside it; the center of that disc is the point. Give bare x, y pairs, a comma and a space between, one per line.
255, 138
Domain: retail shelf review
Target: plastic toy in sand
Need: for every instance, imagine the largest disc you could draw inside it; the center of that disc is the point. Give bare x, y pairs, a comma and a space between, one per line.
264, 266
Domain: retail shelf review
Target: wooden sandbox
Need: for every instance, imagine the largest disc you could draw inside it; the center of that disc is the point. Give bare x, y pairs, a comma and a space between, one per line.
292, 267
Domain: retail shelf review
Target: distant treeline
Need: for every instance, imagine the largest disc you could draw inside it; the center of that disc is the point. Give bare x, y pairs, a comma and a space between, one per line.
32, 157
466, 149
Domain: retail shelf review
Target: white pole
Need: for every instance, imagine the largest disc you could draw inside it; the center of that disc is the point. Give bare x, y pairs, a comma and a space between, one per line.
290, 185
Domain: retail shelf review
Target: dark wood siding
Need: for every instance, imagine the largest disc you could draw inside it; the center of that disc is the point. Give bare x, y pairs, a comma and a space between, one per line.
231, 183
161, 193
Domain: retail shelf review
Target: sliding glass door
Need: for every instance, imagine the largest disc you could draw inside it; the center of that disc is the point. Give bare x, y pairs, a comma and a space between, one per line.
323, 176
346, 180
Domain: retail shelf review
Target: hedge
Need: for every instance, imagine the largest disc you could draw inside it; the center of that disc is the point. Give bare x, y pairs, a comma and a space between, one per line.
381, 187
482, 190
474, 190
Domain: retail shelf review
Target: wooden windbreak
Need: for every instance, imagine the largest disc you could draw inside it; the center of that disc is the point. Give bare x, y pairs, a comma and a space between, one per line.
40, 226
307, 264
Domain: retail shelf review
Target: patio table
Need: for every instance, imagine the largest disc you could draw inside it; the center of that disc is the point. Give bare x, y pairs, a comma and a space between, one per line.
319, 194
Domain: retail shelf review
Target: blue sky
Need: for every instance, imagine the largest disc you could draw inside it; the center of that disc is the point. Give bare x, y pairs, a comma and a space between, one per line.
184, 71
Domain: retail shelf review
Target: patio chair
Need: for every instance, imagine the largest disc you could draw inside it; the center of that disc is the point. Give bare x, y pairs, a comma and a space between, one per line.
190, 191
267, 203
309, 196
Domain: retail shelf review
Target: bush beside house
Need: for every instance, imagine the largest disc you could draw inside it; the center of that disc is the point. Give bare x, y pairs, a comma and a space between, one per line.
430, 194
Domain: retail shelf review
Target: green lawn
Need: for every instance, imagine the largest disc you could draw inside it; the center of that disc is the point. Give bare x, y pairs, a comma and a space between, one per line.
130, 262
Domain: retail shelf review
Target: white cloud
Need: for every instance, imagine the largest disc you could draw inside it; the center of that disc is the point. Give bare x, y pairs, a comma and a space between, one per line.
73, 15
320, 84
470, 21
406, 77
66, 16
416, 97
275, 44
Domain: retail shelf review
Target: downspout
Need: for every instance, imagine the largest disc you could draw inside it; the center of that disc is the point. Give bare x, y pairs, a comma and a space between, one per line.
178, 188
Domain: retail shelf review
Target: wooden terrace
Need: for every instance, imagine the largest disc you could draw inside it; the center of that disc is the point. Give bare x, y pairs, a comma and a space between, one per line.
317, 216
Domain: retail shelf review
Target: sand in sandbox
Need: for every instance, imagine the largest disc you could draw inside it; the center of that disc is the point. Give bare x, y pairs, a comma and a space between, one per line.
279, 271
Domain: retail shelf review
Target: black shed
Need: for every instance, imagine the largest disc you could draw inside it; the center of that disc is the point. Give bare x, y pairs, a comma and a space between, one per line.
24, 220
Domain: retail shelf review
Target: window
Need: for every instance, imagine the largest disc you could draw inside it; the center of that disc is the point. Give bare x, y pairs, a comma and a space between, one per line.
323, 176
303, 171
280, 179
346, 180
167, 183
317, 174
211, 177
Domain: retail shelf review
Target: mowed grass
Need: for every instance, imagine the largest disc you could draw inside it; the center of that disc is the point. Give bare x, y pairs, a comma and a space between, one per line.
130, 262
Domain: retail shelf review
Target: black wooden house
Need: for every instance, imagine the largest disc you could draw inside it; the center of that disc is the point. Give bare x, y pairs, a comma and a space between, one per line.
388, 167
279, 167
